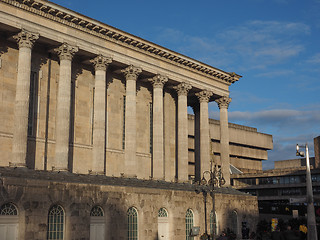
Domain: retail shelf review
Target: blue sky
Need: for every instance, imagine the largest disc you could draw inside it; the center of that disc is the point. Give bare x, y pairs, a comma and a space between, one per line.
273, 44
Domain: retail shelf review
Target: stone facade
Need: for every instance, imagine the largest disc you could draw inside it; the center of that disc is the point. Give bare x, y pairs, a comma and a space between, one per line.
77, 194
85, 100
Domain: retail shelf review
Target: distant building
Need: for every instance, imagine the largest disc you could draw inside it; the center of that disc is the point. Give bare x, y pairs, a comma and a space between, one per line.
274, 188
95, 139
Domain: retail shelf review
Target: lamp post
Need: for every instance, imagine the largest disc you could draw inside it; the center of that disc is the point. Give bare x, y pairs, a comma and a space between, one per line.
207, 185
311, 218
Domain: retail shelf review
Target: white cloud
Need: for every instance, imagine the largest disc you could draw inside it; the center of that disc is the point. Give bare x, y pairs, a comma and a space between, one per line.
287, 126
315, 59
282, 119
253, 44
171, 35
285, 148
265, 42
283, 72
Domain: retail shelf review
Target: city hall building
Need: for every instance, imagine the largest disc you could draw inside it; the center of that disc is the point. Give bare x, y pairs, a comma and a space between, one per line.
95, 137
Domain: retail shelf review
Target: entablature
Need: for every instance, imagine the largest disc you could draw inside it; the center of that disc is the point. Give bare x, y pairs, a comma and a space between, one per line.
90, 26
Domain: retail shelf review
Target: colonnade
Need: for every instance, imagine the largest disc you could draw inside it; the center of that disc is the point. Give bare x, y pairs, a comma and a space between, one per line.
131, 73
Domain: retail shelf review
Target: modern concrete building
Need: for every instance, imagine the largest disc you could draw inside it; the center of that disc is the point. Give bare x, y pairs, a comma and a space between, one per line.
95, 139
274, 188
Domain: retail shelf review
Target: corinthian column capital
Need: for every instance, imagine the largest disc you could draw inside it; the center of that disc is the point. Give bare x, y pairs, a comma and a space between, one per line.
101, 62
183, 88
66, 51
204, 95
158, 81
26, 39
223, 102
131, 72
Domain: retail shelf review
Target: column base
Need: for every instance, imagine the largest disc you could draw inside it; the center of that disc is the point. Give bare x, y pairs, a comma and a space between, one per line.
17, 165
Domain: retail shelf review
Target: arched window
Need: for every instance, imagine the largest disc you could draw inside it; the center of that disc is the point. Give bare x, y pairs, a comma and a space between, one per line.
234, 222
162, 213
56, 223
97, 223
9, 221
189, 224
96, 212
163, 224
132, 221
8, 209
213, 223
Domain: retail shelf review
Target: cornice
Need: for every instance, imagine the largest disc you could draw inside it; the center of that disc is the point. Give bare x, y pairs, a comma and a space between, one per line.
75, 20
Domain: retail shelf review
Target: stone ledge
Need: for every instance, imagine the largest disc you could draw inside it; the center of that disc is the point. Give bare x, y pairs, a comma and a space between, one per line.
67, 177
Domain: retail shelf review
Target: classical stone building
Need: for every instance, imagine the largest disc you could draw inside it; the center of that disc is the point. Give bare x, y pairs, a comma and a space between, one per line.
95, 138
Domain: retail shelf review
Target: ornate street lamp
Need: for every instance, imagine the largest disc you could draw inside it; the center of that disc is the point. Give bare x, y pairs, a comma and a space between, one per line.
210, 180
311, 218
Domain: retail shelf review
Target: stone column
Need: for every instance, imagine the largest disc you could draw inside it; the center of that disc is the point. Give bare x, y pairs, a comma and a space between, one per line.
223, 104
131, 73
99, 125
205, 140
182, 90
21, 108
65, 52
157, 149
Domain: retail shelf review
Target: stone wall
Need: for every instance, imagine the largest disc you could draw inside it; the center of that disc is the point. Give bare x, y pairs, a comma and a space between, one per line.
34, 192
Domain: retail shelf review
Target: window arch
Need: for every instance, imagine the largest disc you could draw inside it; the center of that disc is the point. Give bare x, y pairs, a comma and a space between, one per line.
8, 209
162, 212
97, 211
56, 223
132, 221
189, 224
